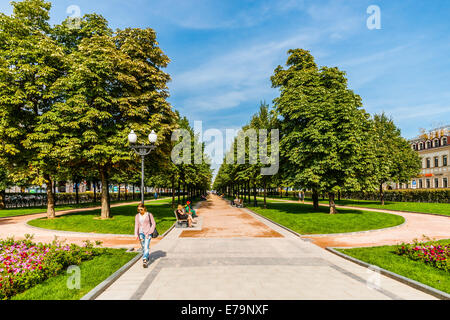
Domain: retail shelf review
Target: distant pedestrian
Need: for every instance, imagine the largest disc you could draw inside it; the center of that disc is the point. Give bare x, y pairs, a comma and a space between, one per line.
301, 196
156, 195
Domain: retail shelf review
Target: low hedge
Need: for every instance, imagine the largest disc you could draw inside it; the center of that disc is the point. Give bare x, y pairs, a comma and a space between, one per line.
14, 200
399, 195
407, 195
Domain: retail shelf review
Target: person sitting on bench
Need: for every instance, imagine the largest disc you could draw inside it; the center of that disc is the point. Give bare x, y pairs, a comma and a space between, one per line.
181, 215
189, 210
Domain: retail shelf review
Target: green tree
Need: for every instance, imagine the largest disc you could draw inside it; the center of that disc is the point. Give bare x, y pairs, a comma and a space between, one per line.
324, 132
395, 160
112, 84
30, 63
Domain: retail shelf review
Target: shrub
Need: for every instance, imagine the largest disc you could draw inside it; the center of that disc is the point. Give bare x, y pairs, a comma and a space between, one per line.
433, 253
24, 264
406, 195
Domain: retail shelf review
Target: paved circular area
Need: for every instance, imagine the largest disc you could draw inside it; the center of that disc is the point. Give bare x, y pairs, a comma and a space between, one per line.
416, 226
217, 265
18, 227
222, 221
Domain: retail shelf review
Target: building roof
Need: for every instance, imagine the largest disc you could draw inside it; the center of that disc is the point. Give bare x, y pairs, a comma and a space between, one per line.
433, 133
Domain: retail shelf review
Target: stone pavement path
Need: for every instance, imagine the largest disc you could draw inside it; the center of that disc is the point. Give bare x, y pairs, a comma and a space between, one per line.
254, 259
18, 227
415, 227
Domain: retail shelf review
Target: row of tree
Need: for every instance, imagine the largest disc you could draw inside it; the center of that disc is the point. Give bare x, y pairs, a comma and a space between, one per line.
69, 96
328, 142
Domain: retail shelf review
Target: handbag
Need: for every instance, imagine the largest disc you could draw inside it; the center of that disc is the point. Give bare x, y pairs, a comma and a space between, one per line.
155, 233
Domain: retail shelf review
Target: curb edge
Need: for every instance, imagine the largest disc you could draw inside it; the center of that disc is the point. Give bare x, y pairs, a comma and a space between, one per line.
412, 283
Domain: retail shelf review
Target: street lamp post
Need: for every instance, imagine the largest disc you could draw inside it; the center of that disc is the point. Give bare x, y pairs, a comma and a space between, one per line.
142, 150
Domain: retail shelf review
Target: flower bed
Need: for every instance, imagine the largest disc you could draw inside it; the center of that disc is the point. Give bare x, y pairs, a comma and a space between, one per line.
24, 264
433, 254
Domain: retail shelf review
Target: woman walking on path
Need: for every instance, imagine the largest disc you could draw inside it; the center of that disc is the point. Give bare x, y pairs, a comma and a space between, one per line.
144, 225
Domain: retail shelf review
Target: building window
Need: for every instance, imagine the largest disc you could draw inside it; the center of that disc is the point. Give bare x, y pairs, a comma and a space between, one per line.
420, 184
444, 141
444, 183
428, 183
428, 162
428, 144
436, 143
436, 162
444, 161
414, 147
421, 146
436, 182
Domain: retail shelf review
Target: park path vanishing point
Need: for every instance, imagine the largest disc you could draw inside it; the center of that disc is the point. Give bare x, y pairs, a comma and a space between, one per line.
415, 227
235, 254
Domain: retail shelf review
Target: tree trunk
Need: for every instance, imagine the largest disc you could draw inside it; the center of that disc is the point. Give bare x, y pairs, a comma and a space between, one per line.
173, 192
339, 195
315, 198
50, 197
2, 199
133, 191
381, 195
118, 194
95, 191
178, 191
106, 209
54, 192
184, 192
265, 195
332, 204
126, 191
77, 198
255, 202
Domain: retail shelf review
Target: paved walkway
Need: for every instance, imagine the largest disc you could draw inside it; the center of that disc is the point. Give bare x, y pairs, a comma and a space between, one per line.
252, 260
416, 226
18, 227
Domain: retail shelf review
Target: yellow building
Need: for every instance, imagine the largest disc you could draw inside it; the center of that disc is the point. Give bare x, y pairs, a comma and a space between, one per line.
434, 150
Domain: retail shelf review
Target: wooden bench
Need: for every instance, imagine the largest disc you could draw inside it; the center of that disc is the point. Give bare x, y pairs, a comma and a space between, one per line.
238, 204
180, 221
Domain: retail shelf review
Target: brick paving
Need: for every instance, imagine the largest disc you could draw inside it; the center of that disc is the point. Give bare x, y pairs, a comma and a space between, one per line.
254, 259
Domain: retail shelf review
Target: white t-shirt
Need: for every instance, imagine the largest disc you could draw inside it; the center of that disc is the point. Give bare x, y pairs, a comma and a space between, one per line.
142, 218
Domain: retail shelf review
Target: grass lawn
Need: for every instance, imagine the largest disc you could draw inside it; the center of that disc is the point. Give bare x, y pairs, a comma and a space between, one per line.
93, 272
385, 258
34, 210
302, 219
122, 221
437, 208
424, 207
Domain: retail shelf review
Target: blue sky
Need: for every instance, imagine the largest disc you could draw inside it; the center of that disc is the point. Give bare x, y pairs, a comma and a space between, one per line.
224, 52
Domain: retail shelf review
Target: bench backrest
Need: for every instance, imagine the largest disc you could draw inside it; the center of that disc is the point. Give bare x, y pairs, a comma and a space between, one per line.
176, 216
